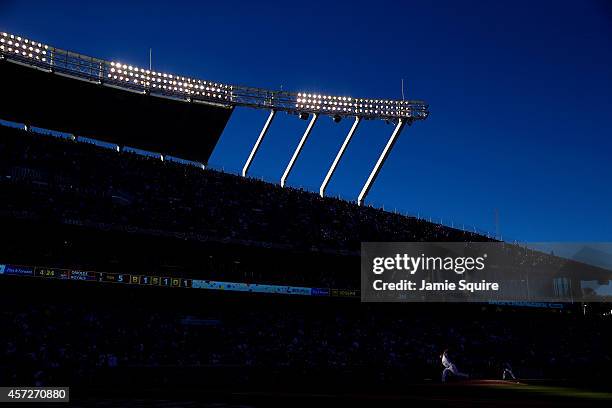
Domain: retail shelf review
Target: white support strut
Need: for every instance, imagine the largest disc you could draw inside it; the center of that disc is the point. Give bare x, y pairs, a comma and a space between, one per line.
298, 149
381, 160
332, 169
262, 134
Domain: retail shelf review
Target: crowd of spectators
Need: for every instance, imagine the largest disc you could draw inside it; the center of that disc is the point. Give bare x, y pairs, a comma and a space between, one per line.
83, 183
45, 342
49, 180
76, 184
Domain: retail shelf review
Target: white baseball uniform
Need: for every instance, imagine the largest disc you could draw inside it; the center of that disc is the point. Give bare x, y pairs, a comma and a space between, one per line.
449, 367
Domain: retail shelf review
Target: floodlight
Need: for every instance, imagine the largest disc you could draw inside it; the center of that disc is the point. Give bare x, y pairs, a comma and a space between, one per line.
23, 49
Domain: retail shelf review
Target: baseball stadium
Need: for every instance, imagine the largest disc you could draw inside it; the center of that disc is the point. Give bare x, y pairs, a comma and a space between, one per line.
136, 270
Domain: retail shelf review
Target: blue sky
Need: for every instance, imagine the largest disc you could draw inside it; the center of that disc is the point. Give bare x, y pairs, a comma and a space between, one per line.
520, 95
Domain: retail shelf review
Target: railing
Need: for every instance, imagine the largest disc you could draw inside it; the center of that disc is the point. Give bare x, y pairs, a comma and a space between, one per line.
36, 54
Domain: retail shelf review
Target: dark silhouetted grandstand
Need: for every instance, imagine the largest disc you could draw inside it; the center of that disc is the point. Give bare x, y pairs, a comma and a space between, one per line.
83, 207
78, 198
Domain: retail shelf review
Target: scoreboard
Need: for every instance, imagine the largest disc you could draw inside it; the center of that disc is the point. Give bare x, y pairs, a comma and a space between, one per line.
105, 277
169, 281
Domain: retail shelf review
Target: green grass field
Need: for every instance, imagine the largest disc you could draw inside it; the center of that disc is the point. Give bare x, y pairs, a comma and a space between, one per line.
474, 393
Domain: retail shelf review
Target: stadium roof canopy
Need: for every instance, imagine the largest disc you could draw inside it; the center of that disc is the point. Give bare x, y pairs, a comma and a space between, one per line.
146, 80
167, 113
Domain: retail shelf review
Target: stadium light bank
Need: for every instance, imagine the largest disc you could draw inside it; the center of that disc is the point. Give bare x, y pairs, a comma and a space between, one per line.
304, 104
